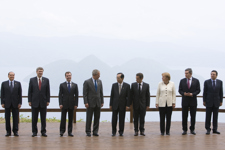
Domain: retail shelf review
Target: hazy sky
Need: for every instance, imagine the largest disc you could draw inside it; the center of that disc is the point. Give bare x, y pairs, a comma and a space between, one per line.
198, 23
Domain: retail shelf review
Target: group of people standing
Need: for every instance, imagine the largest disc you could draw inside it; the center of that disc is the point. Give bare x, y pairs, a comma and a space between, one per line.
122, 97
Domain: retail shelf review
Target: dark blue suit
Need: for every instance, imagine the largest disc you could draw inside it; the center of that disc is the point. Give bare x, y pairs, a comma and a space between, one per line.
11, 100
39, 99
189, 102
212, 98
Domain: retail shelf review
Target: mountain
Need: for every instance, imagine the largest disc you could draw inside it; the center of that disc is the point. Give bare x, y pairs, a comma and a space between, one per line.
82, 70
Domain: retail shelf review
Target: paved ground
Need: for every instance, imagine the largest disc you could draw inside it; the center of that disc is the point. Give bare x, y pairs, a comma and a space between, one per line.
152, 140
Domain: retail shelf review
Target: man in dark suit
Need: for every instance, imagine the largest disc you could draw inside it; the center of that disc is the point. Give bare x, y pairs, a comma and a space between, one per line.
189, 88
39, 99
212, 99
93, 100
119, 99
11, 99
140, 97
68, 101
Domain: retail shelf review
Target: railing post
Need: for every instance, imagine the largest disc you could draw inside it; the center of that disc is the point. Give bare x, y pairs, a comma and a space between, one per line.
131, 113
74, 116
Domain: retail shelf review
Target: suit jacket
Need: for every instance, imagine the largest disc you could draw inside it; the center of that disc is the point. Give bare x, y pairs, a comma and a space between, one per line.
194, 89
120, 100
166, 94
90, 96
140, 101
213, 97
11, 98
66, 98
39, 97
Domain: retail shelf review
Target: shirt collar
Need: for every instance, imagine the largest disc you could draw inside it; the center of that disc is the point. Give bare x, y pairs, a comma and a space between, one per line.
141, 83
12, 81
213, 80
120, 83
40, 78
190, 78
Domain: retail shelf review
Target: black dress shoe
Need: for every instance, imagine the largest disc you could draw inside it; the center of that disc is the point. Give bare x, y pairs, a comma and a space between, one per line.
70, 134
44, 134
216, 132
208, 132
95, 134
184, 133
167, 133
8, 134
193, 132
162, 133
34, 134
61, 134
16, 134
89, 134
121, 134
136, 134
142, 133
114, 134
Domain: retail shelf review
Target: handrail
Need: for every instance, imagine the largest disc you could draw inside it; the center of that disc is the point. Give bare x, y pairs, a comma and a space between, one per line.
107, 109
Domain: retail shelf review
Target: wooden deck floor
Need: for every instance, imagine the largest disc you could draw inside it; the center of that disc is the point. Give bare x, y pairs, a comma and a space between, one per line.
152, 140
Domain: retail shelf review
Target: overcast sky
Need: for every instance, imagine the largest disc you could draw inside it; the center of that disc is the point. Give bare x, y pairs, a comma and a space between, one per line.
197, 23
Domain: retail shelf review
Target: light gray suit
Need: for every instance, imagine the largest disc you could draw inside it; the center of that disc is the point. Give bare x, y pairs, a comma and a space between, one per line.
94, 99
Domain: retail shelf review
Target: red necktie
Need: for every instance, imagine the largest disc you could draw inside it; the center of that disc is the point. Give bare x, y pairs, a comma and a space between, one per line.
39, 84
188, 84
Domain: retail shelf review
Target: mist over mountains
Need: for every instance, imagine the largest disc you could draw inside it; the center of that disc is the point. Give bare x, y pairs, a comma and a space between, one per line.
82, 70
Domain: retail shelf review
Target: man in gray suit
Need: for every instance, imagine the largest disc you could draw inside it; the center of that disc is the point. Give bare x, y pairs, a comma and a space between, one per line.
93, 100
68, 101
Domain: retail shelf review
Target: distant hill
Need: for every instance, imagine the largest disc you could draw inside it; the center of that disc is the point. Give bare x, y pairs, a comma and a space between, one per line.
82, 70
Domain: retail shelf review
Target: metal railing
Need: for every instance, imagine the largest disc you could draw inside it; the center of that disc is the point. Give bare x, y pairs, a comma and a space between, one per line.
106, 109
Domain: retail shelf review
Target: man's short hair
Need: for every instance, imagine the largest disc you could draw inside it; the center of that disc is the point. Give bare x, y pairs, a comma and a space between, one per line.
11, 72
68, 73
39, 68
140, 75
189, 70
122, 75
215, 72
95, 72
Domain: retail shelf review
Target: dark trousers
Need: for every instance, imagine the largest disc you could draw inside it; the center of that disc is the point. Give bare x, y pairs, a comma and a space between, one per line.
185, 117
63, 120
209, 111
139, 116
15, 113
165, 112
35, 112
122, 114
89, 113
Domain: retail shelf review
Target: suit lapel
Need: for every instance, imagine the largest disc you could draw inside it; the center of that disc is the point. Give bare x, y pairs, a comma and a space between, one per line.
143, 86
92, 84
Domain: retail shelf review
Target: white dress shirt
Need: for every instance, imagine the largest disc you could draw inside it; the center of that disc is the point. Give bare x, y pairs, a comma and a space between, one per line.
140, 86
212, 81
166, 94
38, 80
10, 83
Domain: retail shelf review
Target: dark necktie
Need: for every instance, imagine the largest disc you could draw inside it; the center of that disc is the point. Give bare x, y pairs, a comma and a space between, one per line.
139, 88
39, 84
11, 87
214, 85
96, 87
69, 86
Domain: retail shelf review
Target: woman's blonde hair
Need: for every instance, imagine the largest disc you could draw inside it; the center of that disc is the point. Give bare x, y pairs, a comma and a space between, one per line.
166, 74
